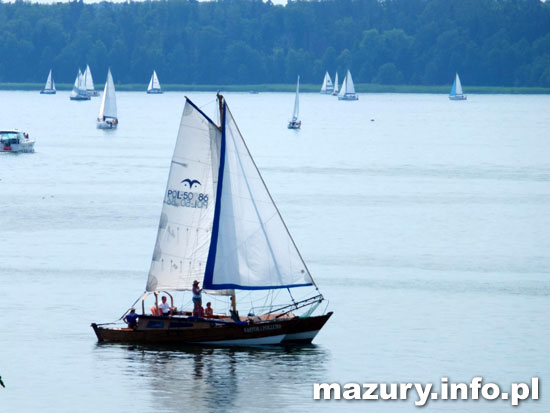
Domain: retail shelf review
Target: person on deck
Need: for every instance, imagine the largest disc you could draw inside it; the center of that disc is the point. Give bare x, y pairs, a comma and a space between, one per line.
164, 307
208, 311
131, 318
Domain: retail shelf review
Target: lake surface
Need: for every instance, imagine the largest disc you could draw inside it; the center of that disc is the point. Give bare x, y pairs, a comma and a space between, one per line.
425, 222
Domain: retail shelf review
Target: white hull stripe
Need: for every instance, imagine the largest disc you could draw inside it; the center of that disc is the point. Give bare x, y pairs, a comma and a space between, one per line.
248, 341
308, 335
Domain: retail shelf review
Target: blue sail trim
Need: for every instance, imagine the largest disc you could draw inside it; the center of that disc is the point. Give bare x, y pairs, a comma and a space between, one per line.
246, 287
211, 260
201, 112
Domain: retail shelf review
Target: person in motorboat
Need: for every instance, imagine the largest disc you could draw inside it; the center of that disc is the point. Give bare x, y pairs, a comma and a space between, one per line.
131, 318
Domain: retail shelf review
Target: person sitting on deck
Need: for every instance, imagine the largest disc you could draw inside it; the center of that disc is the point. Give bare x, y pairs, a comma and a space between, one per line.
198, 311
131, 318
164, 307
208, 311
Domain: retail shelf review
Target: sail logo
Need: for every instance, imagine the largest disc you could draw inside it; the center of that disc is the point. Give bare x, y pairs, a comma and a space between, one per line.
188, 199
190, 182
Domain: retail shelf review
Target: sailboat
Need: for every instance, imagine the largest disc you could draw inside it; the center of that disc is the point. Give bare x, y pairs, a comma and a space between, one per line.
219, 227
49, 88
107, 117
295, 123
89, 82
154, 85
456, 91
335, 91
79, 89
327, 86
347, 91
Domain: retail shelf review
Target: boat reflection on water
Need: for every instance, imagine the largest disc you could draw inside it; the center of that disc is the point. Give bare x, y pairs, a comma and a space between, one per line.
198, 378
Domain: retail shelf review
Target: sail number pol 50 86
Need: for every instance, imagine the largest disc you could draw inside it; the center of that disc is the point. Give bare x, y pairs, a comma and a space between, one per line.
186, 199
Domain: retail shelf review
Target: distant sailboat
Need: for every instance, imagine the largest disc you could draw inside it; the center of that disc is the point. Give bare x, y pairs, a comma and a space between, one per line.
89, 82
347, 92
327, 86
79, 89
107, 117
49, 89
154, 85
295, 123
456, 91
335, 91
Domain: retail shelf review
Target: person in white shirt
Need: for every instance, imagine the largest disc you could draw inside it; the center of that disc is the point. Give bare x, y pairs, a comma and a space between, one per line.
164, 307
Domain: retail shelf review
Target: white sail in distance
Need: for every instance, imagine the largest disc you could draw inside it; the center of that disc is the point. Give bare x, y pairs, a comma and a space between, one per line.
296, 112
335, 91
88, 80
458, 88
108, 108
154, 83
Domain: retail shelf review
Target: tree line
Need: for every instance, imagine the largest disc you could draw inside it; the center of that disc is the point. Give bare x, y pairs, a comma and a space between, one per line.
489, 42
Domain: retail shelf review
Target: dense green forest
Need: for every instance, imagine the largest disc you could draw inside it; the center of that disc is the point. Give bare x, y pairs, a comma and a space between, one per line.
489, 42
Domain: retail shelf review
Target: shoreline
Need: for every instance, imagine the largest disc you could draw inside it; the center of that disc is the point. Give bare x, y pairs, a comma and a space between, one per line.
291, 88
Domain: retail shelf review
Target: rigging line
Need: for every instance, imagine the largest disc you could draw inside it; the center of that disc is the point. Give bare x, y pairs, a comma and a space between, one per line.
291, 296
208, 103
132, 306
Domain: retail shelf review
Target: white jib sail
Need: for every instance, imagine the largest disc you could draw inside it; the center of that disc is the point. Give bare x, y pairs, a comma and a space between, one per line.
296, 111
335, 91
350, 87
251, 247
185, 228
89, 81
458, 86
108, 101
344, 86
74, 92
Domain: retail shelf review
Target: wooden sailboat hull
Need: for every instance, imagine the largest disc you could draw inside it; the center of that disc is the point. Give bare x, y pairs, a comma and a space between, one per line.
190, 330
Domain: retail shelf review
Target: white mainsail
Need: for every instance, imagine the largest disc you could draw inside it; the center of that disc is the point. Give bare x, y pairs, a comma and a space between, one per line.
296, 112
88, 80
335, 91
154, 83
108, 101
350, 87
343, 88
77, 84
219, 224
458, 88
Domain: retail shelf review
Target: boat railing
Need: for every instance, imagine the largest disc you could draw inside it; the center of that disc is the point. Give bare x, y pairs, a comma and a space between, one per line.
286, 309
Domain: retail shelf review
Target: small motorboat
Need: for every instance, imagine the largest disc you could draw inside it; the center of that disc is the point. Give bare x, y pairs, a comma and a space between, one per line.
15, 141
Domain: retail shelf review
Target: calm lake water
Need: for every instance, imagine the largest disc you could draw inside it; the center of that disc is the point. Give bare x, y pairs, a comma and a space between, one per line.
425, 222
